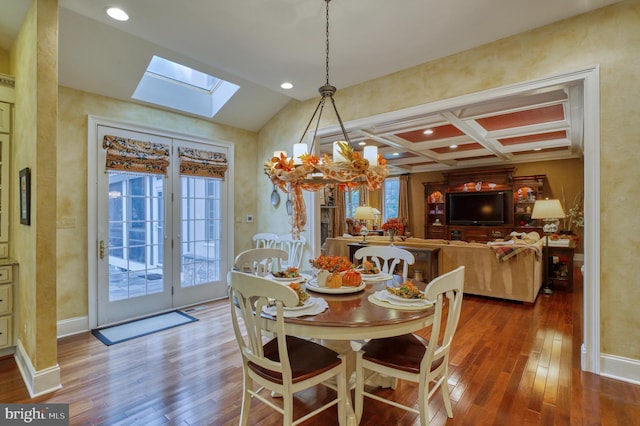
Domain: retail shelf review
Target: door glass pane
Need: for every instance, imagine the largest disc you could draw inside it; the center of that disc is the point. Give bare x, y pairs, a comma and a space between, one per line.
391, 198
135, 234
351, 202
200, 216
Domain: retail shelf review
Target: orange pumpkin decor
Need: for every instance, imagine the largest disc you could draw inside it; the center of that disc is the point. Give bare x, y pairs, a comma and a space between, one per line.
351, 278
334, 281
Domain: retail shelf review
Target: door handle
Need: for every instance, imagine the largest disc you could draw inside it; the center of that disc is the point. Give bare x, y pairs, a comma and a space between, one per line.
102, 249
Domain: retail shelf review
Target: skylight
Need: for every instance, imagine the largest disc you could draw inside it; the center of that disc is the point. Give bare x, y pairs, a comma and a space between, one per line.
179, 87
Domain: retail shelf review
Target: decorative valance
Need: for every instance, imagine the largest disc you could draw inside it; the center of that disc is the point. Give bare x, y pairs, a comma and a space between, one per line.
136, 156
196, 162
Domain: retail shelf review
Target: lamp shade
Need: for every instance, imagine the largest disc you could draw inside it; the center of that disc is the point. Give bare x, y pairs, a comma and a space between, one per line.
364, 213
547, 209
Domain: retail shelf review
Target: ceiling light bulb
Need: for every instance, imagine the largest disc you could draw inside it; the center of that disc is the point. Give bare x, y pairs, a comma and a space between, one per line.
428, 132
286, 85
117, 14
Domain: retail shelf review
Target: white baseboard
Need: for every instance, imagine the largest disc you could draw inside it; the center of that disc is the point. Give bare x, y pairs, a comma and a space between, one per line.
71, 326
620, 368
37, 382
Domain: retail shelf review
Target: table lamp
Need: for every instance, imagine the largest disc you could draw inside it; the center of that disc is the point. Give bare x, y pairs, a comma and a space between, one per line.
550, 211
364, 213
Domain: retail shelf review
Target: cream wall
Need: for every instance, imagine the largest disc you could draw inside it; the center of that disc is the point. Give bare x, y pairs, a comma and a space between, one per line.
75, 106
34, 62
608, 37
4, 61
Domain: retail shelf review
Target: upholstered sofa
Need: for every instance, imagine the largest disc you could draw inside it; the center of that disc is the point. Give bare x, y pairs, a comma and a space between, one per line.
507, 271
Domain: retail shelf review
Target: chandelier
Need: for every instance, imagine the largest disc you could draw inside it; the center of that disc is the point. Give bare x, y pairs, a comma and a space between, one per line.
347, 170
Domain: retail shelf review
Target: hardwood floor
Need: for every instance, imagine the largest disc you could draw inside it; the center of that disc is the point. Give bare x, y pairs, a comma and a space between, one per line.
510, 364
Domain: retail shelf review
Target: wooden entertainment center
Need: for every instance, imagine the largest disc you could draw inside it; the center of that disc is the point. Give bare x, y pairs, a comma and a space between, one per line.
520, 193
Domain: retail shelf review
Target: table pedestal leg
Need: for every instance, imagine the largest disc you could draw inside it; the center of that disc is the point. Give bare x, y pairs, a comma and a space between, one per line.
343, 347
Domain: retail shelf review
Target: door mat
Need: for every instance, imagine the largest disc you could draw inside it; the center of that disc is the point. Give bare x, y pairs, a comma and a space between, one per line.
142, 327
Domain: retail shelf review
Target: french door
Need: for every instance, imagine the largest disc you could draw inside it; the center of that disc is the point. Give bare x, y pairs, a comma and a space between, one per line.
161, 237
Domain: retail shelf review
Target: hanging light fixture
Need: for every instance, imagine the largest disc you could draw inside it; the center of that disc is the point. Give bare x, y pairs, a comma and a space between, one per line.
347, 170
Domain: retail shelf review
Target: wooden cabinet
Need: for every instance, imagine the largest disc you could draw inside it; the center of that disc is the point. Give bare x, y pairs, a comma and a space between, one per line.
6, 307
5, 135
7, 100
521, 194
526, 190
7, 286
435, 211
478, 234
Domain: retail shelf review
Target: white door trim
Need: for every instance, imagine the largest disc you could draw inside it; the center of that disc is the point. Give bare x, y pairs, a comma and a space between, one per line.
589, 77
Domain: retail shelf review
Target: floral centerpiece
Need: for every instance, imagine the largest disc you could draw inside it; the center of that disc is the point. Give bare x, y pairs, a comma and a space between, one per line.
331, 263
328, 269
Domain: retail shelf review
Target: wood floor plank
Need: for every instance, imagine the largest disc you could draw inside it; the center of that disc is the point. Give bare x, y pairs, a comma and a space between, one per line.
510, 363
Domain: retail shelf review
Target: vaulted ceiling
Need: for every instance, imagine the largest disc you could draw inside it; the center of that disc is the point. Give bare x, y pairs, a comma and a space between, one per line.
259, 44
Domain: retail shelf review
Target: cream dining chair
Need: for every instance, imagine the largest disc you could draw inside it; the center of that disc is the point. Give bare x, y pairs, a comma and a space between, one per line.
260, 261
265, 239
293, 246
386, 258
410, 357
285, 364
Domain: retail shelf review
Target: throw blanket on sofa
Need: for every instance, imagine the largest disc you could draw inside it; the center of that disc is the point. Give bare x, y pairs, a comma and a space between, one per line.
505, 252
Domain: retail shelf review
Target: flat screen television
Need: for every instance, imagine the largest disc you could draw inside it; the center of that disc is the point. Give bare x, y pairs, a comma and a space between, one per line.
476, 208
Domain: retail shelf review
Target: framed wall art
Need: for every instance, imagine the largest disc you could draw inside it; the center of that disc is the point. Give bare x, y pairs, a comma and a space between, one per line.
25, 196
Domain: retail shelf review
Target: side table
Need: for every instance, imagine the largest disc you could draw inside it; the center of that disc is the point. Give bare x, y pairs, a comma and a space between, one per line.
560, 267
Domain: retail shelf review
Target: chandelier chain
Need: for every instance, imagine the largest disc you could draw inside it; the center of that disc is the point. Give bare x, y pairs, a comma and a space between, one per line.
327, 48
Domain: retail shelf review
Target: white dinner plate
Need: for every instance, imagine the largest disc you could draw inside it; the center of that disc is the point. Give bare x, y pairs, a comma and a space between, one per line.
312, 285
368, 275
376, 277
305, 305
400, 298
363, 275
300, 278
286, 280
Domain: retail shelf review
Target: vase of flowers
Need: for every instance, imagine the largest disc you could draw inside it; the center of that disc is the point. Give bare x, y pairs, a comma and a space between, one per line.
575, 215
393, 227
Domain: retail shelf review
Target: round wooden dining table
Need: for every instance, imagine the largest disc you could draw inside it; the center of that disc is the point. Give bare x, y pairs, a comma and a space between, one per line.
353, 317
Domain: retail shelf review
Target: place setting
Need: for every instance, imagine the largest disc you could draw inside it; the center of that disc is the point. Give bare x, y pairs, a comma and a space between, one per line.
371, 273
406, 297
289, 275
307, 305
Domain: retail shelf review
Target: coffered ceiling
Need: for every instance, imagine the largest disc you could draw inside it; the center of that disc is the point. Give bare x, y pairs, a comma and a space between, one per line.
533, 125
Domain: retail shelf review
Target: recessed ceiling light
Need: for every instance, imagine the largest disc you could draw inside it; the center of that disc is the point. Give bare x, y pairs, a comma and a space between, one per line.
117, 14
286, 85
453, 146
363, 143
396, 154
537, 149
428, 132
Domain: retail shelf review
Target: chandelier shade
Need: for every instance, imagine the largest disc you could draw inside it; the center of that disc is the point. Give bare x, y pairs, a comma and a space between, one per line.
304, 171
